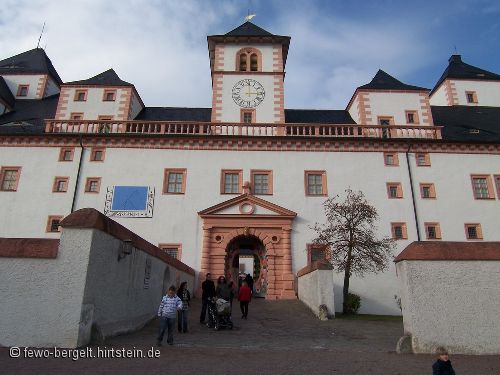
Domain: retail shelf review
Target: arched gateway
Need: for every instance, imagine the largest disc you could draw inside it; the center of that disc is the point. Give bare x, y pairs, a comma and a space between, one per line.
254, 226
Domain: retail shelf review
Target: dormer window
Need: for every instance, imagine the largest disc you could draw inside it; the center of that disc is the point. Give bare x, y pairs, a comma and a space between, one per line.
249, 60
471, 97
80, 96
22, 90
109, 96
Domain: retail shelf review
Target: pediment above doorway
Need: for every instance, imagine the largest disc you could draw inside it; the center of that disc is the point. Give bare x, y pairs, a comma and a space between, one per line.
247, 205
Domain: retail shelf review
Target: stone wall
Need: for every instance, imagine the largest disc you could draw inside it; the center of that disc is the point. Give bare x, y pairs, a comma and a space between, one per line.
450, 296
315, 289
100, 277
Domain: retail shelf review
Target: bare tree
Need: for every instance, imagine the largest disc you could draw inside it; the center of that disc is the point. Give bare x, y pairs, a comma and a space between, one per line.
348, 234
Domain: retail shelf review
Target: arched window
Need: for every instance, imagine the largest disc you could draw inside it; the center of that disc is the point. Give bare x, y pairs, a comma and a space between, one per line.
249, 60
243, 62
253, 62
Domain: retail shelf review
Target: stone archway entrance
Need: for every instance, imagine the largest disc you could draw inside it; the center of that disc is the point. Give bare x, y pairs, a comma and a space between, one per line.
252, 248
239, 220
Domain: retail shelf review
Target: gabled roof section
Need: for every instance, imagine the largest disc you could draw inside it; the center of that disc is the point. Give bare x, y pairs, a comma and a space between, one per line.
248, 29
247, 198
468, 123
5, 94
384, 81
460, 70
30, 62
107, 78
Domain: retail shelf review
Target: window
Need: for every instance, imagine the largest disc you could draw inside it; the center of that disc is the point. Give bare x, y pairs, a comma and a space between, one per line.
399, 231
427, 191
66, 154
9, 177
497, 183
316, 253
80, 96
53, 224
482, 187
411, 117
432, 231
262, 182
471, 97
172, 249
109, 96
22, 90
174, 181
97, 154
105, 118
60, 185
423, 159
247, 116
391, 159
394, 190
93, 185
385, 121
249, 60
315, 182
473, 232
76, 116
231, 181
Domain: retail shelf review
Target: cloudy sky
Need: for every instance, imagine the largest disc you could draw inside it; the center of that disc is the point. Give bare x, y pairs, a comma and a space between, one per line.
160, 45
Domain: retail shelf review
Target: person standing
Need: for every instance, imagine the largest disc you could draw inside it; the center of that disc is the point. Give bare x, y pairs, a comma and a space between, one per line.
182, 315
244, 296
443, 364
167, 311
208, 292
249, 281
223, 290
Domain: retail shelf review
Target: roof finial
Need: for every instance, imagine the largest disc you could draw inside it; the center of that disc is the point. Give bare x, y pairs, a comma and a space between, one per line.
249, 16
455, 47
40, 37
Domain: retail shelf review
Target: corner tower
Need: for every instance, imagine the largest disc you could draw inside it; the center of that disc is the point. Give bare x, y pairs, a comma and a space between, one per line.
248, 70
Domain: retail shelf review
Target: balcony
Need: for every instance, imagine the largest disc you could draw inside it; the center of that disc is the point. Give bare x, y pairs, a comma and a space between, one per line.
242, 129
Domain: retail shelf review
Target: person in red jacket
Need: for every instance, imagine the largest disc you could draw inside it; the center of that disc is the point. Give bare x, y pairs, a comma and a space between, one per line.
244, 296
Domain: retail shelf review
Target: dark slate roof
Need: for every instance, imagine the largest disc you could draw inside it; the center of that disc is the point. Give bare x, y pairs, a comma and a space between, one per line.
384, 81
5, 93
175, 114
458, 69
32, 61
205, 114
318, 116
248, 29
468, 123
107, 78
28, 115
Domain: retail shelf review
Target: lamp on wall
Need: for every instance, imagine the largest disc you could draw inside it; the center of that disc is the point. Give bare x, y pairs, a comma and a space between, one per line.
125, 249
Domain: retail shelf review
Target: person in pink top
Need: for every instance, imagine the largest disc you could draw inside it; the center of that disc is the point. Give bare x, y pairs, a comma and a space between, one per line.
244, 296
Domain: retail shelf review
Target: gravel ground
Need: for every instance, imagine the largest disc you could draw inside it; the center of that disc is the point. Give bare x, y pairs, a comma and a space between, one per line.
279, 337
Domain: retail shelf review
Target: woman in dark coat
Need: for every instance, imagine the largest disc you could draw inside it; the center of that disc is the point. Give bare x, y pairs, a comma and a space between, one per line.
182, 315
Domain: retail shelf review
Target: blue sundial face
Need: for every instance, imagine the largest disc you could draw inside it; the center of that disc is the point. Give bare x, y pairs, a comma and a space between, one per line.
248, 93
130, 198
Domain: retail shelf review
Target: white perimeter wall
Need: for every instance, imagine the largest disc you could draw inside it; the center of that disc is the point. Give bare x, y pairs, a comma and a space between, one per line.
115, 290
451, 303
25, 212
41, 299
316, 288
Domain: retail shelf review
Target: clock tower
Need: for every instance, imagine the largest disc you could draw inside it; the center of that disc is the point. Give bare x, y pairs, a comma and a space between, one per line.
248, 70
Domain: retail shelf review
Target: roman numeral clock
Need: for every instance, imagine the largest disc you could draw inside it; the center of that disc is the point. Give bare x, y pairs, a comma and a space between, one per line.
248, 93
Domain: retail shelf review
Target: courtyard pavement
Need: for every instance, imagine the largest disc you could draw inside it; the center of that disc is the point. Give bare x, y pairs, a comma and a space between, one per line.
279, 337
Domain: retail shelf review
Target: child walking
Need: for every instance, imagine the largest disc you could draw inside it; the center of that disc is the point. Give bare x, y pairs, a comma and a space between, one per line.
244, 296
167, 312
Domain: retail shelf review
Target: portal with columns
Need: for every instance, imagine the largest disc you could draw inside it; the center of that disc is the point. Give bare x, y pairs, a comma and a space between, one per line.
248, 225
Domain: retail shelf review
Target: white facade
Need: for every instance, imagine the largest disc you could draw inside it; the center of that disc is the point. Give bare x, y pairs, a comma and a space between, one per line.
486, 93
32, 80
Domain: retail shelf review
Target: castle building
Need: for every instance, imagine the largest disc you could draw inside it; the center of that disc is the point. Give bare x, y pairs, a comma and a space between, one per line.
248, 177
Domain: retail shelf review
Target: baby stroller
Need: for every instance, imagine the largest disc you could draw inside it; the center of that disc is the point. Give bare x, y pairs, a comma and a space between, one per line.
219, 311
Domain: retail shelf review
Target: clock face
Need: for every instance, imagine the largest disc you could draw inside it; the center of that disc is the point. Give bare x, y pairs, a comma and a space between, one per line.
248, 93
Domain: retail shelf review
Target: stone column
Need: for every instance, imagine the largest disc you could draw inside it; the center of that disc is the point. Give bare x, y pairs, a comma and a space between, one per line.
287, 277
